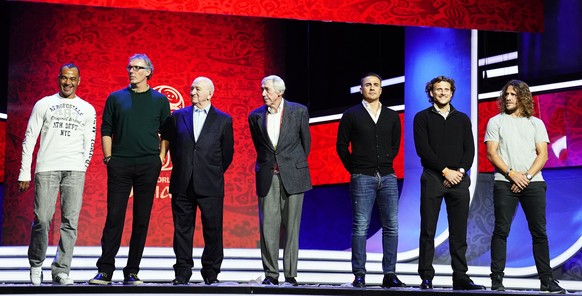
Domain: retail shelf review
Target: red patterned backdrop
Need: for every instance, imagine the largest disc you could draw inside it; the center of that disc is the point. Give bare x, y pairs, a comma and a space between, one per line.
236, 52
504, 15
232, 51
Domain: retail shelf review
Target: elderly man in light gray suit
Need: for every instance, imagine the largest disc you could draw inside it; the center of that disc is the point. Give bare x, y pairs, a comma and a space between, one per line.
280, 133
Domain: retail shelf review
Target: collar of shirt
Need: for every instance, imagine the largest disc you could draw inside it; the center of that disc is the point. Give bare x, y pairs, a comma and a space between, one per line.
370, 111
444, 114
279, 109
205, 109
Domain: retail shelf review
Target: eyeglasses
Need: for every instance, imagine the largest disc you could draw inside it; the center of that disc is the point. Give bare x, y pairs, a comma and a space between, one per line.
135, 68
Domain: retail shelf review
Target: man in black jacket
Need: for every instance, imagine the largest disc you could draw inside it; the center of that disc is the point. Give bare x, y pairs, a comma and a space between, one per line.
373, 130
202, 147
444, 143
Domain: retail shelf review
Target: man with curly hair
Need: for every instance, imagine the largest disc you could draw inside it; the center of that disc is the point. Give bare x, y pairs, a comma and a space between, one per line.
443, 139
517, 146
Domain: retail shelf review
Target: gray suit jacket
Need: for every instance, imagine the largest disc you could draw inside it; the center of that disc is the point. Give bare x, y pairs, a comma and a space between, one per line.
291, 153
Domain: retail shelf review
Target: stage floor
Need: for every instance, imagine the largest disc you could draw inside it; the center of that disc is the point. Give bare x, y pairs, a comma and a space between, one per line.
239, 289
319, 273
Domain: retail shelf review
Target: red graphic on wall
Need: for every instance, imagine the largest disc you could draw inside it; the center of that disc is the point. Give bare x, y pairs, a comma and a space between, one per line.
466, 14
229, 50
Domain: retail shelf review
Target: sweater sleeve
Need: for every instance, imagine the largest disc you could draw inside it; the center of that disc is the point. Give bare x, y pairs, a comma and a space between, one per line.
343, 141
107, 118
89, 135
396, 134
421, 142
33, 129
468, 145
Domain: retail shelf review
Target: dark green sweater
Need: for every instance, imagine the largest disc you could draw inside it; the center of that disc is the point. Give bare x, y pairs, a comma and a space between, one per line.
133, 120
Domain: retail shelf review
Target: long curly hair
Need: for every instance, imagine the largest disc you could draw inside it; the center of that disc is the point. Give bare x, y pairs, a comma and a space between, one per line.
525, 101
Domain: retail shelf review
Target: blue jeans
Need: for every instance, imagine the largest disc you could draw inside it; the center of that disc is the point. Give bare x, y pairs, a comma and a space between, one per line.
365, 191
47, 186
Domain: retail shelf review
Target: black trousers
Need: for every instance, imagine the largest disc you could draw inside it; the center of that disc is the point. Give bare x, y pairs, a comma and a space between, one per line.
121, 178
432, 192
533, 203
184, 214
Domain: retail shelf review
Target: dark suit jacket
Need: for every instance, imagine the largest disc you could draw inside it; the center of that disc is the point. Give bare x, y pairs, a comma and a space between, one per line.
203, 162
292, 149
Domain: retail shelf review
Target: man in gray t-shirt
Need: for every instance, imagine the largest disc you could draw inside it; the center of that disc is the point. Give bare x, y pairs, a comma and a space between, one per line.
517, 146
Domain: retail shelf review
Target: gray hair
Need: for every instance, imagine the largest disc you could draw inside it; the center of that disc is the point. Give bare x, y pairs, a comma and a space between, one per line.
278, 83
147, 61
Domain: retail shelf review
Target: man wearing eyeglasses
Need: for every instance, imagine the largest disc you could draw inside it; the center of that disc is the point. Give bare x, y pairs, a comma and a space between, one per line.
133, 154
444, 142
66, 125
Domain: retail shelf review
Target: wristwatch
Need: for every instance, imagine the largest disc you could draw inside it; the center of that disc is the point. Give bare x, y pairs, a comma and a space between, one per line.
528, 176
462, 170
106, 159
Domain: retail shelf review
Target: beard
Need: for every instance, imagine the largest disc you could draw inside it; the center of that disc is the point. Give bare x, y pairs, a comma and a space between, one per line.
513, 109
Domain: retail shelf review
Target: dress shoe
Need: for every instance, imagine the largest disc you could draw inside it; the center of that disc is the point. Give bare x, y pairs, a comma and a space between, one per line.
466, 284
210, 281
179, 280
292, 281
497, 283
426, 284
270, 281
391, 281
359, 281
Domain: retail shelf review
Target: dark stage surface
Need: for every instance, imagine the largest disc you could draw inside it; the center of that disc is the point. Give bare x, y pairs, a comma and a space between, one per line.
238, 289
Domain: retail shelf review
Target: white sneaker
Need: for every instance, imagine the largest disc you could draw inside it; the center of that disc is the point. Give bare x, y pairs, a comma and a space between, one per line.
36, 275
62, 279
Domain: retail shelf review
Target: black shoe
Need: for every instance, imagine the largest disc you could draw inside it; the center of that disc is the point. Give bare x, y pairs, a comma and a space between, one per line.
101, 279
466, 284
550, 285
210, 281
497, 283
270, 281
426, 284
359, 281
391, 281
180, 280
292, 281
132, 279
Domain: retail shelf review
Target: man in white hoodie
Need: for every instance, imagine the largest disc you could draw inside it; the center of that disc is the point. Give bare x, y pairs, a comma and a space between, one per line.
67, 126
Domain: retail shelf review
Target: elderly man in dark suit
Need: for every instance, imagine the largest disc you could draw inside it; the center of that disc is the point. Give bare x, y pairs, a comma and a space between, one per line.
280, 133
201, 146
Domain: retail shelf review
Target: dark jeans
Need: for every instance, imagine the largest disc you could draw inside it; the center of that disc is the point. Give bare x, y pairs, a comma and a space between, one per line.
367, 191
533, 202
121, 178
184, 214
432, 192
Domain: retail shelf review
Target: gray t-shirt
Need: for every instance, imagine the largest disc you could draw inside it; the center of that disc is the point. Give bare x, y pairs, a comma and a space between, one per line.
517, 138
